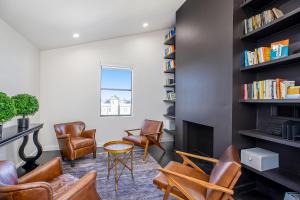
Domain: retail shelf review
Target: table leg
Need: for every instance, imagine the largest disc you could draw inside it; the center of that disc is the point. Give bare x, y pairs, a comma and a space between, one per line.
30, 161
116, 172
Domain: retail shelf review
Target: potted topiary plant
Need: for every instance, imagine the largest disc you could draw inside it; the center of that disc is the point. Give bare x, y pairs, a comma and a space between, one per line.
7, 110
25, 105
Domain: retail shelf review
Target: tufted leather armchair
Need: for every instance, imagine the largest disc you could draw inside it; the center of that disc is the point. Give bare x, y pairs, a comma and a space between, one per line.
46, 182
74, 141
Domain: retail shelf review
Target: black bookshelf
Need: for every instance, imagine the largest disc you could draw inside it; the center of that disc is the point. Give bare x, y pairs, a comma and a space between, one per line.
170, 71
270, 101
169, 101
289, 19
262, 135
255, 4
170, 85
291, 59
172, 132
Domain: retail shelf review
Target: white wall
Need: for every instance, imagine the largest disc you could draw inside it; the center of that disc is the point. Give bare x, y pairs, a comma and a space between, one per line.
19, 73
70, 84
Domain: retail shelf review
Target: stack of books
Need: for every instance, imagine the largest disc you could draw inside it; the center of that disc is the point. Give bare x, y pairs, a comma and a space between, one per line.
264, 54
170, 34
170, 64
267, 89
261, 19
171, 95
170, 49
293, 92
170, 81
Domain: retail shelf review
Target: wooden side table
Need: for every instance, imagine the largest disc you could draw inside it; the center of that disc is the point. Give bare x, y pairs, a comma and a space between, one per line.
119, 153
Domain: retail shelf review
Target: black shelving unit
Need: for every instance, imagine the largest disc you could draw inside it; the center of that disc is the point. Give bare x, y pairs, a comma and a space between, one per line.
271, 101
170, 116
255, 4
169, 101
170, 71
291, 59
172, 132
170, 85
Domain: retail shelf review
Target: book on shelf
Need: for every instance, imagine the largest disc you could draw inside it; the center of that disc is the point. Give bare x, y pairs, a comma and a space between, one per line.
261, 19
170, 64
171, 95
170, 34
270, 89
169, 49
277, 50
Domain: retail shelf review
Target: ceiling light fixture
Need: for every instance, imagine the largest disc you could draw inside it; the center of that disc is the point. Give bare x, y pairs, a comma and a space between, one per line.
145, 25
76, 35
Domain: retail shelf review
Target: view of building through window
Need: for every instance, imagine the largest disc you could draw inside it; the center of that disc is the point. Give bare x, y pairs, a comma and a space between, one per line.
116, 91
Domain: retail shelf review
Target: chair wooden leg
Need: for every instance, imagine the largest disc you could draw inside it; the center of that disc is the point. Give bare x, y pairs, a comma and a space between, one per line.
94, 154
72, 163
167, 193
146, 150
159, 145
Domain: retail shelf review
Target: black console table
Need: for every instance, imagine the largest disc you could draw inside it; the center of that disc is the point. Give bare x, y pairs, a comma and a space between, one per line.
13, 133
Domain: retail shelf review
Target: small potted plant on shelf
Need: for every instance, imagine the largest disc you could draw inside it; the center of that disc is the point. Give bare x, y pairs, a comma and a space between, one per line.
25, 105
7, 110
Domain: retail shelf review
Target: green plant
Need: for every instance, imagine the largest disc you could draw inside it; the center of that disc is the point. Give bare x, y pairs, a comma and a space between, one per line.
25, 104
7, 108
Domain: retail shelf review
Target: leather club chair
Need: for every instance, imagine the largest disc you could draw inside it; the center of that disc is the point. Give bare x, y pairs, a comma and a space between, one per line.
74, 141
46, 182
150, 134
188, 181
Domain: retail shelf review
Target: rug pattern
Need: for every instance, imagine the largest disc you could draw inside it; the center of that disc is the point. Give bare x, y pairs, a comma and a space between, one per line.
141, 188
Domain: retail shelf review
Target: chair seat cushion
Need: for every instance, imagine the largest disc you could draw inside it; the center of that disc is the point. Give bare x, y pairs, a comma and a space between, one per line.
136, 139
61, 184
81, 142
196, 191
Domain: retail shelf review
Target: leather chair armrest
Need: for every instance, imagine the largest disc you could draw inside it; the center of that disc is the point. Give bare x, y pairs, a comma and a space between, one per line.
150, 134
30, 191
213, 160
89, 133
46, 172
129, 131
63, 136
201, 183
84, 187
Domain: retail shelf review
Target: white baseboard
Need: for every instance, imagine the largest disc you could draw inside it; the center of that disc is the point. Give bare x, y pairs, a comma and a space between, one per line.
19, 164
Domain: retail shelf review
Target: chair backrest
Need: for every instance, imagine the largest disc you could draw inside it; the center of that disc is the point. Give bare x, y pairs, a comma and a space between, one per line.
152, 126
73, 128
8, 173
225, 173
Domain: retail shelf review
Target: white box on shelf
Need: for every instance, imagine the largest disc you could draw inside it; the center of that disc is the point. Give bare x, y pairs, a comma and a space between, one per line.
260, 159
170, 124
292, 196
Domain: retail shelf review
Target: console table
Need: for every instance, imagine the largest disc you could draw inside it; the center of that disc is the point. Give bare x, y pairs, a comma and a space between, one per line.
13, 133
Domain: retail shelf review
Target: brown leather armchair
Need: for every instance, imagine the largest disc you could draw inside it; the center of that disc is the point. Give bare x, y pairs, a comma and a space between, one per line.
46, 182
150, 134
74, 141
188, 181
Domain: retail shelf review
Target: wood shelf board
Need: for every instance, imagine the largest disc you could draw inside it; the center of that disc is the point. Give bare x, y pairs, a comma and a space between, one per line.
170, 41
271, 101
169, 116
169, 101
170, 71
258, 134
288, 20
280, 176
170, 56
294, 58
255, 4
173, 132
170, 85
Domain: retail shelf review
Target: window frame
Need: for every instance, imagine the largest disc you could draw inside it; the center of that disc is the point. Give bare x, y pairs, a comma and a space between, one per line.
122, 67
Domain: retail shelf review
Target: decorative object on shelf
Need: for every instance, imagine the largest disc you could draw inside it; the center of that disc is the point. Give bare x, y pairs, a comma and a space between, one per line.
7, 110
291, 130
171, 95
260, 159
25, 105
292, 196
171, 110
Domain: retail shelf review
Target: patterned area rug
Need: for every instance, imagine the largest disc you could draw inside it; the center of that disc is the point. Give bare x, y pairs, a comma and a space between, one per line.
139, 188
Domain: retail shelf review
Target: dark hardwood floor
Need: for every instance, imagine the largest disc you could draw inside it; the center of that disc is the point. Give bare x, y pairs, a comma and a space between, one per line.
162, 158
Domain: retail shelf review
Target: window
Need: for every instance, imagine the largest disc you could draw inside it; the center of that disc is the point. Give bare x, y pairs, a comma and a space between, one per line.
116, 91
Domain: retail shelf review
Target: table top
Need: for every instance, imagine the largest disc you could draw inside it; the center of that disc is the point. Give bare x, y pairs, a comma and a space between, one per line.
118, 146
13, 133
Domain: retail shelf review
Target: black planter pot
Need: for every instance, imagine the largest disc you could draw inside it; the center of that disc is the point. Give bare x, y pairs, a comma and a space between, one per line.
23, 122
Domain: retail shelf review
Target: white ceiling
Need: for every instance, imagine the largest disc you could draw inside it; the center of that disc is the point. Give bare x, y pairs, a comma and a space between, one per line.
51, 23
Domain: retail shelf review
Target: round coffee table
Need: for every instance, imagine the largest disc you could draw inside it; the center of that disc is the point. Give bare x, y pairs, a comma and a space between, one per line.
119, 153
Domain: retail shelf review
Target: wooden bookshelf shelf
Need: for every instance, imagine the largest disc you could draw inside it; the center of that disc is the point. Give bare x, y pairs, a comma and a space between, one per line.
170, 41
170, 131
170, 116
255, 4
171, 56
271, 101
280, 176
170, 71
295, 58
170, 85
169, 101
258, 134
288, 20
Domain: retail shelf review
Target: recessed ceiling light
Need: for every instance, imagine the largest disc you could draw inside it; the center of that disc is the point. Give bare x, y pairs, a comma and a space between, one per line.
76, 35
145, 25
